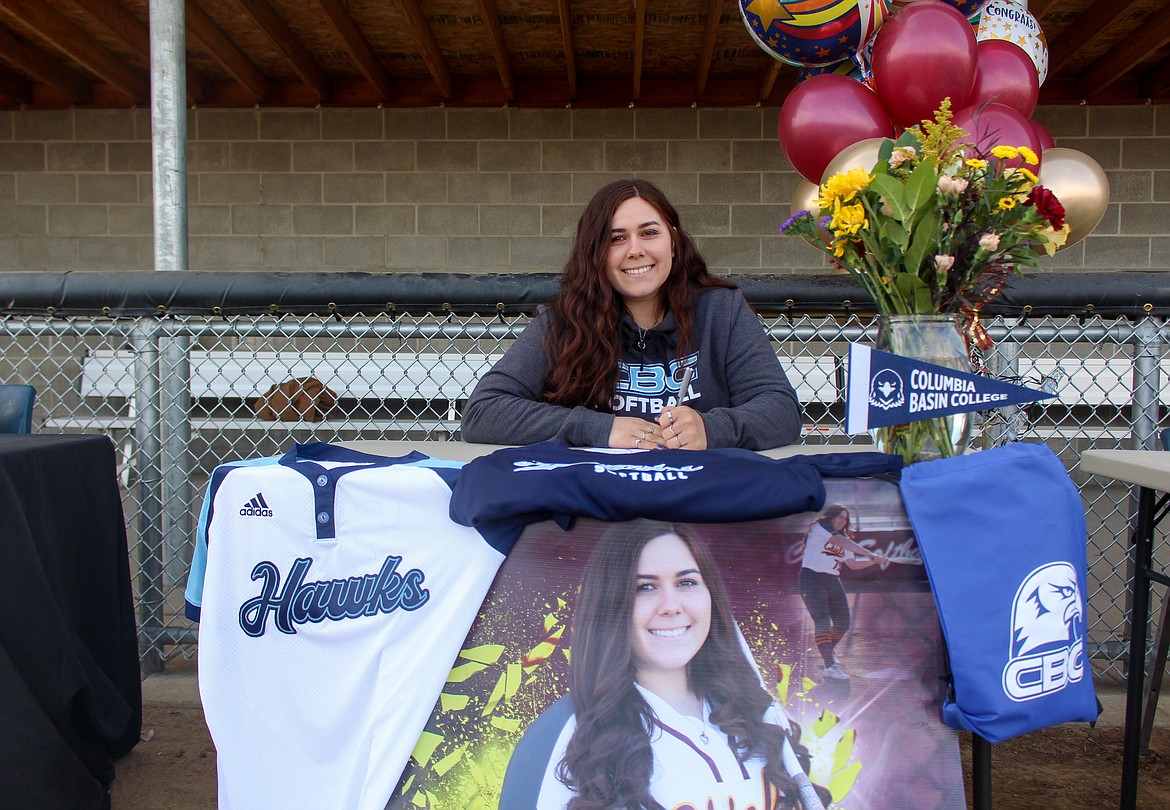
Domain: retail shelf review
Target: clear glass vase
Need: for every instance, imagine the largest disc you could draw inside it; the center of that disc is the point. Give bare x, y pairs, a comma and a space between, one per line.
935, 339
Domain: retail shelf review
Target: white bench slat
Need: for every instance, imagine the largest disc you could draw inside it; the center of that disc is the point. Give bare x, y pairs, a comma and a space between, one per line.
1092, 381
245, 374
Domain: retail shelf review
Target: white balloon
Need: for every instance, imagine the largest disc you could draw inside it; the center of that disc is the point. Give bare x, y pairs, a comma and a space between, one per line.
1011, 21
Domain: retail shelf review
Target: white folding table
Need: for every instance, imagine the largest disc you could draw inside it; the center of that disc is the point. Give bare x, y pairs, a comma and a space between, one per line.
1149, 470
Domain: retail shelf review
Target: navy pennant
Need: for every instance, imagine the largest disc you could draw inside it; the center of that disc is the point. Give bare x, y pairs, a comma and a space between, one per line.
888, 389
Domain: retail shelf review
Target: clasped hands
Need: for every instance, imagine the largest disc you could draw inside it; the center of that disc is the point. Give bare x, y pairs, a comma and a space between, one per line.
678, 427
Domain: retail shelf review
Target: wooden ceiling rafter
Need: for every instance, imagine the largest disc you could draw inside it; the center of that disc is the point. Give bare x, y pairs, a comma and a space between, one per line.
768, 83
64, 35
490, 14
1156, 81
135, 34
1038, 8
358, 47
1150, 37
357, 53
1096, 20
15, 86
278, 32
39, 65
432, 56
219, 47
707, 54
639, 46
566, 15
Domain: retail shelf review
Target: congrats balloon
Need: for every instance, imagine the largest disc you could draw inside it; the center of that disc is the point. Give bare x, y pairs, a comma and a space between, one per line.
1080, 184
923, 54
1004, 19
812, 32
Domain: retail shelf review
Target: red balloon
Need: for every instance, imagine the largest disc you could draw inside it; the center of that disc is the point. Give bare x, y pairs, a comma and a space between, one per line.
1043, 135
1005, 74
922, 54
998, 125
824, 114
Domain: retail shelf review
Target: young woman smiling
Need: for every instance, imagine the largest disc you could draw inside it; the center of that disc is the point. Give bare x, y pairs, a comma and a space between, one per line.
668, 707
603, 363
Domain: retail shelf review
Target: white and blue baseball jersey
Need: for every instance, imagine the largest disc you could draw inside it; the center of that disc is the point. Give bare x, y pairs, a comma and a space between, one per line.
333, 593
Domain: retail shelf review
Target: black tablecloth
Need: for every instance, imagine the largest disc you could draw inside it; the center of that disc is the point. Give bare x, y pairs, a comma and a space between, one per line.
70, 687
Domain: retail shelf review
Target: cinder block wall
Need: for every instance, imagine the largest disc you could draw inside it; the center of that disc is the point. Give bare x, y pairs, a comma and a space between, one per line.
472, 190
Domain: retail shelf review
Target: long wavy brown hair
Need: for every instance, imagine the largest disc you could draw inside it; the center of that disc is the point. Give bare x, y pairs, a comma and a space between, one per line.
830, 513
583, 339
609, 761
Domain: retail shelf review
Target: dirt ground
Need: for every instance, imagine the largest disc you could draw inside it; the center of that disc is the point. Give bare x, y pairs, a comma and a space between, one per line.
1072, 766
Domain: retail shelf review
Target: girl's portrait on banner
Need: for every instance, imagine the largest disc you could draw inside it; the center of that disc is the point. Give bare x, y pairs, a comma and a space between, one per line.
700, 667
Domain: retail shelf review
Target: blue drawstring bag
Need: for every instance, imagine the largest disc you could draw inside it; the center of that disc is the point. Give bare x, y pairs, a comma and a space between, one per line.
1002, 534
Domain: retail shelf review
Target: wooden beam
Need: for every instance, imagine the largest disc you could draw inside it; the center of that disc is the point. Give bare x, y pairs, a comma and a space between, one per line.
1087, 27
491, 18
15, 86
1155, 83
1037, 8
1145, 41
44, 68
358, 47
136, 35
431, 55
67, 37
769, 79
639, 44
274, 27
566, 15
707, 54
202, 29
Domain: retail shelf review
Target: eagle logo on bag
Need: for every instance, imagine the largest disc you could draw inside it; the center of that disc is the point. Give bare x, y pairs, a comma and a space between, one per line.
1047, 642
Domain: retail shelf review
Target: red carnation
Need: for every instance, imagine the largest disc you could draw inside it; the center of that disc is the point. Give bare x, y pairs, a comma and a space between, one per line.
1047, 206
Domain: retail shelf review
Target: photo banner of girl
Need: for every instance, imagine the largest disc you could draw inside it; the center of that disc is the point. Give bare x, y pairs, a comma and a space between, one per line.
889, 389
695, 667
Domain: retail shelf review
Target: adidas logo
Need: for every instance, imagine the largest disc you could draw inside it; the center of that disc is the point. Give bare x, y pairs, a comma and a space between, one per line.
257, 507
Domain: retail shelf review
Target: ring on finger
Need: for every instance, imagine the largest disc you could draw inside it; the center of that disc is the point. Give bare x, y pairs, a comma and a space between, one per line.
637, 442
670, 416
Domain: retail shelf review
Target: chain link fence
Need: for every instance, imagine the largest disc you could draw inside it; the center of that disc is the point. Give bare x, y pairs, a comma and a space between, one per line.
177, 394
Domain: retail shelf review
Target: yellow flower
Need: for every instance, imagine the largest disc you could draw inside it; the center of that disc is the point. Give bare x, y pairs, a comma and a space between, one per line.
1005, 152
1029, 156
1053, 239
976, 163
1007, 203
843, 187
1026, 173
848, 220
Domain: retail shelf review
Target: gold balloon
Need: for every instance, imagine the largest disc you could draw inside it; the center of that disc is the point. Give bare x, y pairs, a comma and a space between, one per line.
804, 198
1080, 184
860, 155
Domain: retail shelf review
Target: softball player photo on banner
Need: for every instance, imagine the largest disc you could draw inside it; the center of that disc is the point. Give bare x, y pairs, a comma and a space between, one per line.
793, 663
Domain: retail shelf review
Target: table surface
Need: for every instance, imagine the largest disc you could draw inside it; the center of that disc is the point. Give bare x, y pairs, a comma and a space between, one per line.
466, 451
1146, 468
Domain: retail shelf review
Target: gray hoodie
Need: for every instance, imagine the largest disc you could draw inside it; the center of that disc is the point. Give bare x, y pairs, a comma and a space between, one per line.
738, 384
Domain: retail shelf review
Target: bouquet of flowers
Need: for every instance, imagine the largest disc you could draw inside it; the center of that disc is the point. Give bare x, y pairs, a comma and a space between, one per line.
939, 224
